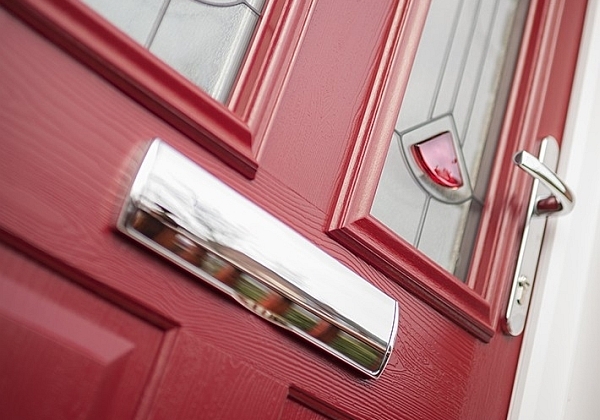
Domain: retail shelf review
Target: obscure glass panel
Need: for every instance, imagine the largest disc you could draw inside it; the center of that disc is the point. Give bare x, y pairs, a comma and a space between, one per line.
466, 53
399, 199
134, 17
441, 228
205, 43
205, 40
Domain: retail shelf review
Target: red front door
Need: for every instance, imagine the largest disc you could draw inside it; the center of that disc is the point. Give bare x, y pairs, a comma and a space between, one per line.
93, 326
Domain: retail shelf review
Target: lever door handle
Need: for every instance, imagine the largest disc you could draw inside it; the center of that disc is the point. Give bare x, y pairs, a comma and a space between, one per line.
549, 196
561, 200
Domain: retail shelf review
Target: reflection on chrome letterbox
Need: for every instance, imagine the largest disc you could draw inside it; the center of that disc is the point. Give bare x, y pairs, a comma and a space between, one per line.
187, 215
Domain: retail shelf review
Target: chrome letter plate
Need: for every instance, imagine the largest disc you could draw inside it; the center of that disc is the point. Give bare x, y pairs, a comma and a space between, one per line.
185, 214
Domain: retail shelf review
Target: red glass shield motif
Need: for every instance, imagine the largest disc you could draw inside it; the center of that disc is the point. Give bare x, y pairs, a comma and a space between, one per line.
438, 159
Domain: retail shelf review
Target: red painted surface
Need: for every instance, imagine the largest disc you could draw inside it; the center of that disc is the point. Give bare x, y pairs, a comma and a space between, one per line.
67, 353
236, 136
174, 348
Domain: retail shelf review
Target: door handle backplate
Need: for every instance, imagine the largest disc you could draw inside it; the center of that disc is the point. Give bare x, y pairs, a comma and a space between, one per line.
549, 196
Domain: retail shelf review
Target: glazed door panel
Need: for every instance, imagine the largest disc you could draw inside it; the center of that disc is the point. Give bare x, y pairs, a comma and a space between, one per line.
296, 139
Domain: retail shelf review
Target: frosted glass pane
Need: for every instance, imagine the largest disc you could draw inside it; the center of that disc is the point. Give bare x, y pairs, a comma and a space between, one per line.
441, 236
205, 40
422, 87
465, 22
474, 59
483, 99
399, 202
134, 17
460, 63
205, 43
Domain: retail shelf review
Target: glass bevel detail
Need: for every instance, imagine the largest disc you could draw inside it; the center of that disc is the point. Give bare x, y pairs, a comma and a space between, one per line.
431, 129
254, 5
205, 43
423, 85
441, 237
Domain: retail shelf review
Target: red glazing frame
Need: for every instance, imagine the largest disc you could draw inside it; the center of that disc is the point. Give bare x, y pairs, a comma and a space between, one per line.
232, 132
536, 108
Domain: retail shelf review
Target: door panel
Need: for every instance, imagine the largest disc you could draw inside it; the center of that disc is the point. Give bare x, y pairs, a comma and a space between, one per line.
70, 143
67, 353
235, 133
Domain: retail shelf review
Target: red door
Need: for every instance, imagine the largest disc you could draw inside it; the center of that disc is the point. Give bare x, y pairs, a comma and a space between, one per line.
94, 326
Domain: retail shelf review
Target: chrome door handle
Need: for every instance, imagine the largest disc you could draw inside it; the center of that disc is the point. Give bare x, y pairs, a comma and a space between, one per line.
549, 196
561, 200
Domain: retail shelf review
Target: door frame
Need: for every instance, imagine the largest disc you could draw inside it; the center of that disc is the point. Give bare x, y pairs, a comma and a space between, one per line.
558, 371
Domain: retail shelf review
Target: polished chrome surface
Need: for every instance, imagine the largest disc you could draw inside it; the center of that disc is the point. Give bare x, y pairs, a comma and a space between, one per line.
193, 219
549, 196
561, 201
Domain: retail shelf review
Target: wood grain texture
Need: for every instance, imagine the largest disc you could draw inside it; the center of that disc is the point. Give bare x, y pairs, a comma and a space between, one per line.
202, 381
300, 405
69, 146
146, 78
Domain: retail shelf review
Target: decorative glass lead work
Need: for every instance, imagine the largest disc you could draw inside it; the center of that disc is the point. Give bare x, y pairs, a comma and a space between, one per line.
453, 91
437, 142
205, 40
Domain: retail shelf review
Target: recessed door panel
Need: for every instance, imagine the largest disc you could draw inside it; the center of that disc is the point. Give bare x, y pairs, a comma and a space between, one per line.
66, 352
